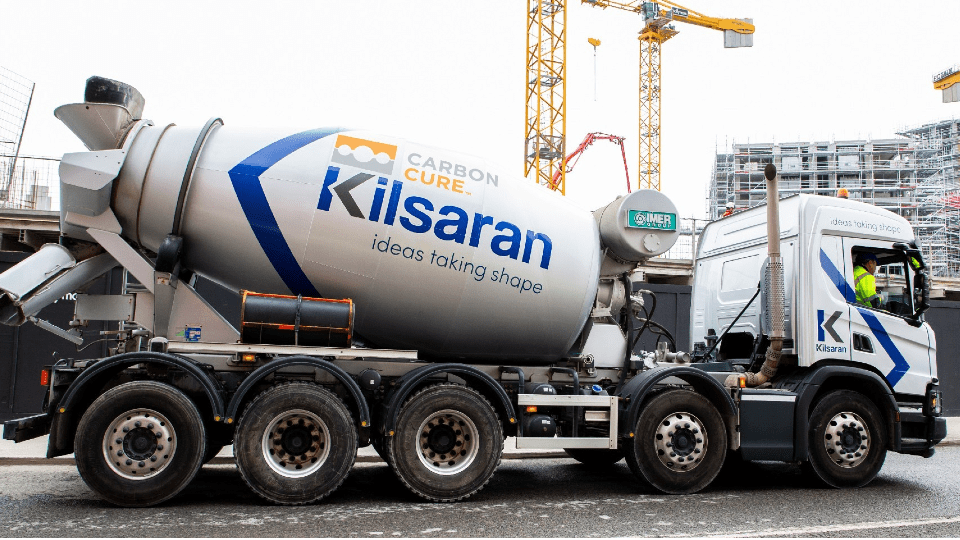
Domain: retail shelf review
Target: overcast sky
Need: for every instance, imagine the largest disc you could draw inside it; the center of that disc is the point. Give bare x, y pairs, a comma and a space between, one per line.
452, 74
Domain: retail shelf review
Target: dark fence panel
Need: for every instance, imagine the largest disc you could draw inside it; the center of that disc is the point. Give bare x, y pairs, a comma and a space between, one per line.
944, 317
672, 311
26, 349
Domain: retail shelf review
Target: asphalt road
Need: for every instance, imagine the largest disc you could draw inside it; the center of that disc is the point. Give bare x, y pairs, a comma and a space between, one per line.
913, 497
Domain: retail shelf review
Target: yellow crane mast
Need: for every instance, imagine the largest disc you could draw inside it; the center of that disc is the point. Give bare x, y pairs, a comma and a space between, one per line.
657, 29
545, 119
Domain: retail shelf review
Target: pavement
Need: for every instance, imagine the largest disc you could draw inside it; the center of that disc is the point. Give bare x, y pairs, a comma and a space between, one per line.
33, 452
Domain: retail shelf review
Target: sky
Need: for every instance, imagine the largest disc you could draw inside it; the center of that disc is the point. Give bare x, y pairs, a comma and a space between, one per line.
452, 74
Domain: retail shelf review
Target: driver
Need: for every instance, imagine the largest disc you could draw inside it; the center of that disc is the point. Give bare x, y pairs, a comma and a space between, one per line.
864, 282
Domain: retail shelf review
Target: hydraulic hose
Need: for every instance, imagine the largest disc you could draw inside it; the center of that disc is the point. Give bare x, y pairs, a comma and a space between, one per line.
630, 334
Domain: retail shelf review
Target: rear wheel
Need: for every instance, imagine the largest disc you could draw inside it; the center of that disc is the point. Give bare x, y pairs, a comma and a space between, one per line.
295, 443
847, 437
380, 446
595, 457
680, 442
448, 443
140, 443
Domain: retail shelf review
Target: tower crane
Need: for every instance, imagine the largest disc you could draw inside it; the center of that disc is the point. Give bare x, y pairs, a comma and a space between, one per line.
545, 118
657, 29
948, 80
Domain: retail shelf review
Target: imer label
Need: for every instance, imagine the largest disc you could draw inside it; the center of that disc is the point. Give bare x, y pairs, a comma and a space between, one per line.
643, 219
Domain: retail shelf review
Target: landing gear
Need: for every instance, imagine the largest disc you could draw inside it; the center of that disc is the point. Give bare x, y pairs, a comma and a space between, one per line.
140, 443
448, 443
848, 441
295, 443
680, 443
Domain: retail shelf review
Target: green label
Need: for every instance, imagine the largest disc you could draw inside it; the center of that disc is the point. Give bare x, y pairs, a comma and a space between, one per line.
642, 219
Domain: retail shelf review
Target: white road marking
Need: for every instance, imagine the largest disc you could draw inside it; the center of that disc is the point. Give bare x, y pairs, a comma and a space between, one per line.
837, 529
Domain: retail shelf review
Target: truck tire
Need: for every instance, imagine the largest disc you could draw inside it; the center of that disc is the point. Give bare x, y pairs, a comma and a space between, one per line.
296, 443
140, 443
595, 457
448, 443
848, 440
380, 446
680, 442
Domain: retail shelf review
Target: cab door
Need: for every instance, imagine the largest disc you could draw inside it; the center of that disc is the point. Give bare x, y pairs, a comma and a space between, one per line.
885, 337
829, 303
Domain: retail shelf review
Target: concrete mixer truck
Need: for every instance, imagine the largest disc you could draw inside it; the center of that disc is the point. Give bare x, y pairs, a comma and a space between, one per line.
422, 301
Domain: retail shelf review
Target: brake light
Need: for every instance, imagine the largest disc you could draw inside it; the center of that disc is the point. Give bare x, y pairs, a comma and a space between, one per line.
44, 377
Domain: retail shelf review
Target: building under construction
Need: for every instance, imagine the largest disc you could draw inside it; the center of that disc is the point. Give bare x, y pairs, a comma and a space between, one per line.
25, 182
916, 175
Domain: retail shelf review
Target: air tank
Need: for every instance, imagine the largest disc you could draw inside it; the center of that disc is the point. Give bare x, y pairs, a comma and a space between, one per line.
440, 251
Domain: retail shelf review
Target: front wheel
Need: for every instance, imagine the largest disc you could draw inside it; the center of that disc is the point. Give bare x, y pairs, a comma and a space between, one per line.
847, 438
295, 443
448, 443
140, 443
680, 442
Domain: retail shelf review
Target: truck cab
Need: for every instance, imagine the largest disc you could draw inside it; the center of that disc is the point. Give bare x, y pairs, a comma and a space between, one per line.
826, 329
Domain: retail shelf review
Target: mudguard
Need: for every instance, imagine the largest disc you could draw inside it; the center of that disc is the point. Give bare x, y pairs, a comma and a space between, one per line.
869, 383
66, 413
636, 390
262, 372
479, 380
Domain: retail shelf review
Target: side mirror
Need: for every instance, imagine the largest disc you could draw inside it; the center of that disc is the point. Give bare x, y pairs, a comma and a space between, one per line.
922, 285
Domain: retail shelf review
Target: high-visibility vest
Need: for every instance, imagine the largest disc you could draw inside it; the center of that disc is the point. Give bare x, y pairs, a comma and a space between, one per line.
865, 285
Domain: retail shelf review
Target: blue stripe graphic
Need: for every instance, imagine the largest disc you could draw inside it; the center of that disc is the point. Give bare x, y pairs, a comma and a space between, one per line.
900, 364
837, 278
246, 183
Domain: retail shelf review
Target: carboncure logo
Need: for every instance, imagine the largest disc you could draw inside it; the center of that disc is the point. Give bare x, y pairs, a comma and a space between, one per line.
364, 154
420, 215
446, 174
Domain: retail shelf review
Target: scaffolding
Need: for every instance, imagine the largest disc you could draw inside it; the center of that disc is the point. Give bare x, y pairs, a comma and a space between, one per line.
915, 176
34, 184
16, 93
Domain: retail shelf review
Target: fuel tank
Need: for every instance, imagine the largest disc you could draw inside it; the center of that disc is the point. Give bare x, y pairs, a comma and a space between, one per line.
440, 251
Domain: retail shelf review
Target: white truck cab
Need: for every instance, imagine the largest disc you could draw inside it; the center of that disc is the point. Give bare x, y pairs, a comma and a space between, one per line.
824, 325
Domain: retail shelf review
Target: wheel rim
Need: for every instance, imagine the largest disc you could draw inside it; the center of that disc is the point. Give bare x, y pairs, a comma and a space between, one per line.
296, 443
447, 442
139, 444
681, 442
846, 439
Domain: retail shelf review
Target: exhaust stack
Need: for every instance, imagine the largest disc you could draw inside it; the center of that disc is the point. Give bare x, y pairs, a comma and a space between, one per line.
773, 281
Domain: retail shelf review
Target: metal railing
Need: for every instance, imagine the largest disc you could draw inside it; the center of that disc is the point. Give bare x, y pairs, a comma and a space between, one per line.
686, 245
